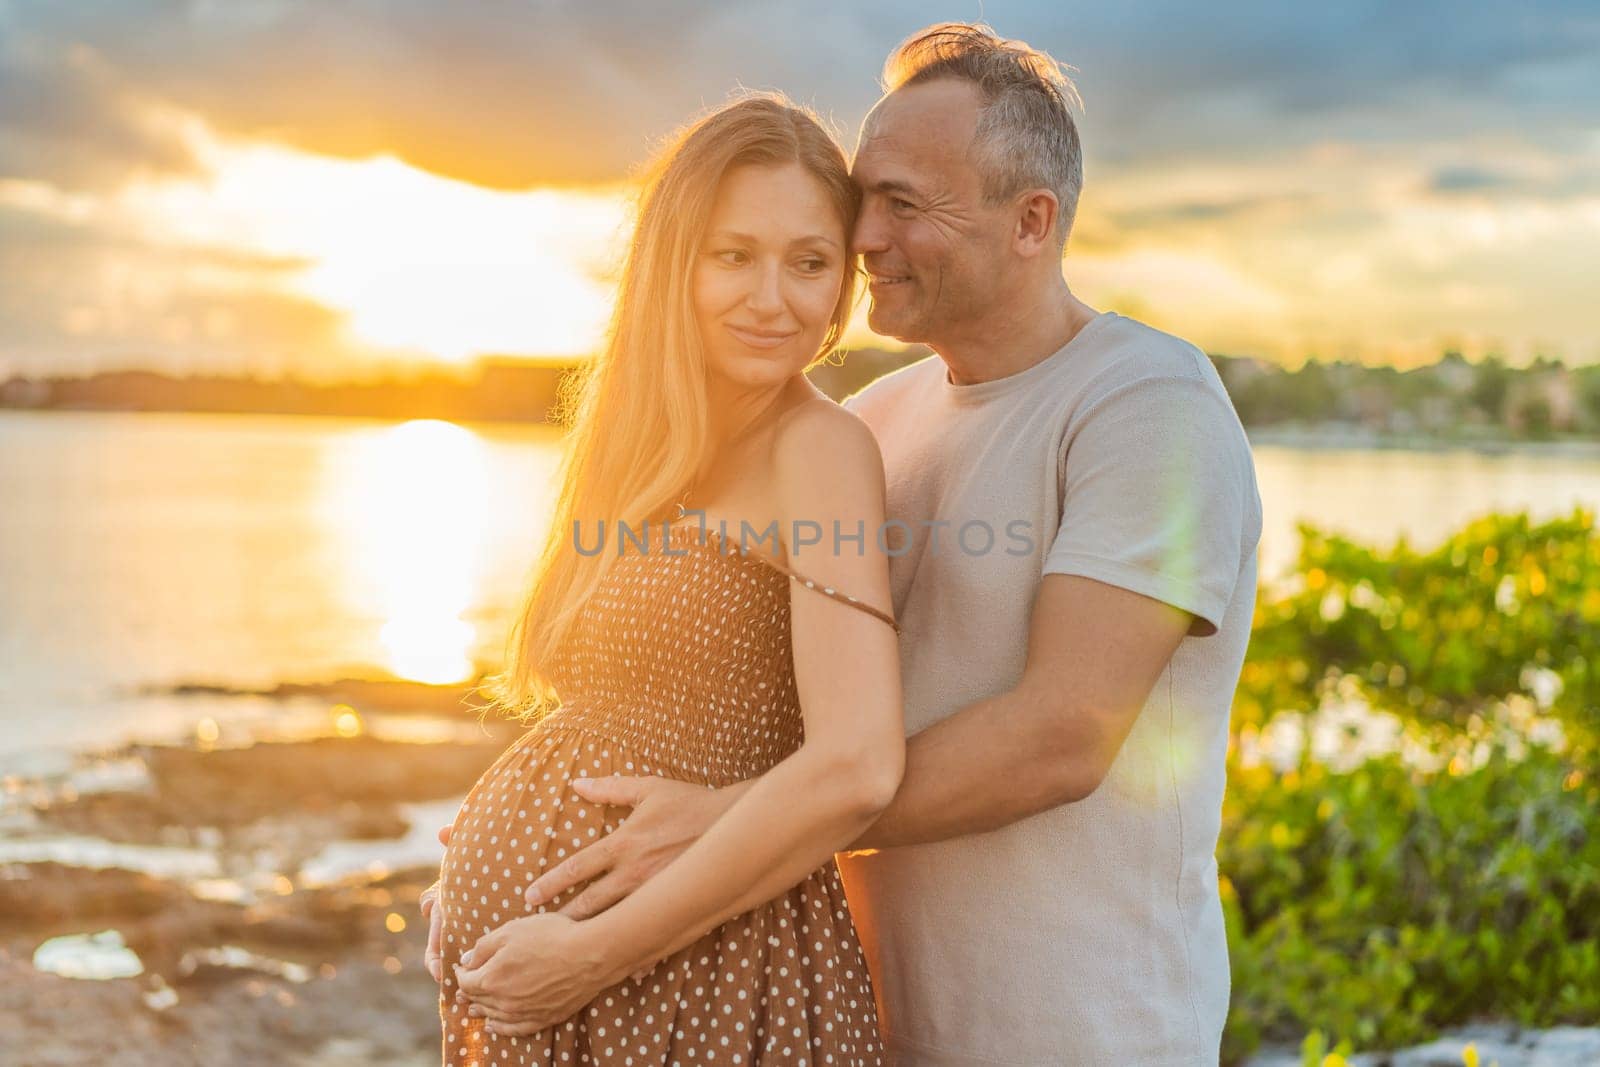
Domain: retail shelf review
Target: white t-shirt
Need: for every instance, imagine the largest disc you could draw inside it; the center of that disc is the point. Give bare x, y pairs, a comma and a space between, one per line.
1091, 933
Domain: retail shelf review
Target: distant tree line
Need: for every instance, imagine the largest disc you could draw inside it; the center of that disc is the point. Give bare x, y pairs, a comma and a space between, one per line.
1449, 399
1452, 399
494, 390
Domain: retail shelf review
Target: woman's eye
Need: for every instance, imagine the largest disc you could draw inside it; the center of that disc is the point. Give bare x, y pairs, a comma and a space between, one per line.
813, 265
733, 257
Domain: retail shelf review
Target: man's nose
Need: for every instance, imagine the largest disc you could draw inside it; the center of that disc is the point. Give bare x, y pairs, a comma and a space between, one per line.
870, 235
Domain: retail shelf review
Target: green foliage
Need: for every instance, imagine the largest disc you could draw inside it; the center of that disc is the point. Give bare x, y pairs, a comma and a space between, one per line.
1442, 638
1451, 399
1490, 387
1458, 878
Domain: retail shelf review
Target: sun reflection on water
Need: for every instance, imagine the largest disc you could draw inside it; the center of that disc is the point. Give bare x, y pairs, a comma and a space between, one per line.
410, 505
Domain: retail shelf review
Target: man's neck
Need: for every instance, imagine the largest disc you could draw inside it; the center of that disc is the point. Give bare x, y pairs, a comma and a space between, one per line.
1011, 340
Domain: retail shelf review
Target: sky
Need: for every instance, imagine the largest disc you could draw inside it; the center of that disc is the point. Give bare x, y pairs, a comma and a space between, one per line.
334, 188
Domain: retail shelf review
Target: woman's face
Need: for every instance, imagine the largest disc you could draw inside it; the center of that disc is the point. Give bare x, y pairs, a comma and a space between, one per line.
767, 277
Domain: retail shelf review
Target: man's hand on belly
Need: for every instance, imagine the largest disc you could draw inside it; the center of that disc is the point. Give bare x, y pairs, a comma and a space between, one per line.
667, 817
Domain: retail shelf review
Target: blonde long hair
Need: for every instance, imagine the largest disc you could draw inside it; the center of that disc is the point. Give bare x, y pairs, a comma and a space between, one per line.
641, 429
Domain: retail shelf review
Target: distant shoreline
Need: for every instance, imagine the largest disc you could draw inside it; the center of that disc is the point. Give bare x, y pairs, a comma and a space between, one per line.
1338, 438
341, 416
1488, 407
1329, 437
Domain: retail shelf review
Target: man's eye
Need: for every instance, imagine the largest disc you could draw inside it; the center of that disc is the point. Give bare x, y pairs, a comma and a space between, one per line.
901, 205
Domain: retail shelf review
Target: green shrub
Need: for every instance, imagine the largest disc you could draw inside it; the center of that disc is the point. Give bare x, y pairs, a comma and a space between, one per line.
1381, 903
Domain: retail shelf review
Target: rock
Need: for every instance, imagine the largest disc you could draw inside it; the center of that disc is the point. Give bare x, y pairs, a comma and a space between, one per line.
354, 784
243, 963
1501, 1044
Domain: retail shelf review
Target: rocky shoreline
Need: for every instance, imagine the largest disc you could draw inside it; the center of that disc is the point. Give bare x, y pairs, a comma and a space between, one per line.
1485, 1044
261, 900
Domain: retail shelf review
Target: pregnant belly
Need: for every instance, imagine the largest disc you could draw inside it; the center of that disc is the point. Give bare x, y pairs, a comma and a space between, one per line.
520, 819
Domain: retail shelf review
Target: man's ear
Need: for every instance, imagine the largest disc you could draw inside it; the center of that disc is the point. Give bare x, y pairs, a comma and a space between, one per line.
1037, 211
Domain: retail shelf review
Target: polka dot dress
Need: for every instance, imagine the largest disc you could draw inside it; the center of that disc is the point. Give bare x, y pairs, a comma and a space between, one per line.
679, 666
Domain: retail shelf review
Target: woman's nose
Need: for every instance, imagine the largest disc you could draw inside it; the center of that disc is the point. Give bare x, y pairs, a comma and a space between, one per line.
765, 295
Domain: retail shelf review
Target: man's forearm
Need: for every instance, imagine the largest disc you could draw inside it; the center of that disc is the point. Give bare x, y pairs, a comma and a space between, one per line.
986, 766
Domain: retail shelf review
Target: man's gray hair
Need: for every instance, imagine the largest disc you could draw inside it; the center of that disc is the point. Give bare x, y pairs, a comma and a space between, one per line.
1026, 137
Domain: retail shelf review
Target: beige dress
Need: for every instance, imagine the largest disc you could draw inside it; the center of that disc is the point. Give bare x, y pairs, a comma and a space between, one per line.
679, 665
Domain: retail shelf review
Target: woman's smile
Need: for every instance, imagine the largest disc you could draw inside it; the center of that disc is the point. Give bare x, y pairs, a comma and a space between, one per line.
757, 338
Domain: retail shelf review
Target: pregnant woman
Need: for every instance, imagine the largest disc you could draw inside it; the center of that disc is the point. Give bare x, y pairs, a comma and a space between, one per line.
700, 649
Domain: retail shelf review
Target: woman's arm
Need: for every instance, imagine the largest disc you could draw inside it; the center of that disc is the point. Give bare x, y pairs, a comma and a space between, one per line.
532, 972
847, 672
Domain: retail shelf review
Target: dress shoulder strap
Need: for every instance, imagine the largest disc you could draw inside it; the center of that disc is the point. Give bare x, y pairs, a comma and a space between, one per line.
735, 547
830, 591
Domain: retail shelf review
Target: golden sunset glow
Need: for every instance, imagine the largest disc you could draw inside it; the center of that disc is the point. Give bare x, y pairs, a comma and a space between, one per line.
419, 262
412, 265
416, 267
210, 214
411, 503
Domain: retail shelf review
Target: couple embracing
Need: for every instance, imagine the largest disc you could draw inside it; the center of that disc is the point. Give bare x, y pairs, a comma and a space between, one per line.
976, 631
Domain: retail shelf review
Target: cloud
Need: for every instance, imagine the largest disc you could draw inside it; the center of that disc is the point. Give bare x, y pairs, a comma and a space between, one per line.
1281, 165
1522, 176
63, 117
510, 94
1469, 179
89, 294
1206, 211
503, 94
363, 262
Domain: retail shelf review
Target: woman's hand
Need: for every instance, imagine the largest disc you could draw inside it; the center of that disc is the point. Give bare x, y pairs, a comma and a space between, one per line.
535, 972
429, 903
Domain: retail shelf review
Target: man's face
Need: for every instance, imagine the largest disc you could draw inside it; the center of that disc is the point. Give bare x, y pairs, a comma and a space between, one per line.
932, 247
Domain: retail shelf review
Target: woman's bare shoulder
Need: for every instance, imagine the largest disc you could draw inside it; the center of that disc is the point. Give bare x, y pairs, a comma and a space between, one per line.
827, 463
817, 421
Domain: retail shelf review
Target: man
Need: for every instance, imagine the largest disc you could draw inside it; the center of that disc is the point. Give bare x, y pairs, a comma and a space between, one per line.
1043, 889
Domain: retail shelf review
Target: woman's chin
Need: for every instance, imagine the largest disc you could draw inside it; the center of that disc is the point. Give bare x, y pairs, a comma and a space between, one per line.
747, 372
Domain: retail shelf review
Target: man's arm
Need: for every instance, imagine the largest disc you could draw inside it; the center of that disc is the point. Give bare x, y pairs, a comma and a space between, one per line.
1157, 490
1095, 651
